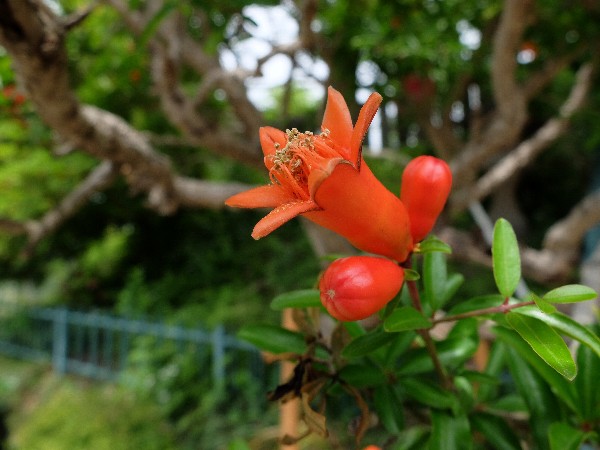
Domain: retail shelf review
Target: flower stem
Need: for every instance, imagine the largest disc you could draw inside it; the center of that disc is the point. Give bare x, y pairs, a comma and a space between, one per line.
503, 308
424, 333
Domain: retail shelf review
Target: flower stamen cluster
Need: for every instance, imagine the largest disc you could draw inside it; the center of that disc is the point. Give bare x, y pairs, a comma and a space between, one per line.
291, 165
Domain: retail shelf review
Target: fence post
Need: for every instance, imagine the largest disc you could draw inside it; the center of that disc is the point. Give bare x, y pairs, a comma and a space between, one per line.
60, 338
218, 357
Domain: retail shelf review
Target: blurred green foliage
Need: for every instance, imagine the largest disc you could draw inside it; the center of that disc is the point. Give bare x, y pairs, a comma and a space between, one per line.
73, 414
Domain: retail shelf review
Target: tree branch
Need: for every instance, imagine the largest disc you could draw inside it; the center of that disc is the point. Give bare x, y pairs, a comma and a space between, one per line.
565, 237
508, 119
530, 148
99, 179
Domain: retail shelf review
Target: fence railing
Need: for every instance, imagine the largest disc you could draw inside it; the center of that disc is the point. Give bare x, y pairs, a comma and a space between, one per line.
98, 345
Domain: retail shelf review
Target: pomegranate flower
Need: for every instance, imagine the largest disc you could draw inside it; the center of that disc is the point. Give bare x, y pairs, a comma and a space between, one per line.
325, 178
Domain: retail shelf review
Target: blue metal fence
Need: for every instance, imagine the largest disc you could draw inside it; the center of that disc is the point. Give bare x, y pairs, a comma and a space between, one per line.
98, 345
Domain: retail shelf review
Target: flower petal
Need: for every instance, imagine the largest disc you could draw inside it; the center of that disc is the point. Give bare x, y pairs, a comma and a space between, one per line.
281, 215
269, 196
356, 205
270, 138
320, 173
337, 120
365, 117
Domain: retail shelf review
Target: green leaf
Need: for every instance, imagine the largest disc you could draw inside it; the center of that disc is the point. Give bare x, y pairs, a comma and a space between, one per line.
398, 347
451, 352
494, 367
273, 338
546, 342
362, 375
466, 393
429, 394
449, 432
541, 402
388, 406
570, 293
496, 431
434, 279
505, 258
586, 383
411, 275
565, 325
405, 318
453, 284
562, 388
363, 345
305, 298
354, 329
511, 403
238, 444
412, 438
433, 244
545, 307
562, 436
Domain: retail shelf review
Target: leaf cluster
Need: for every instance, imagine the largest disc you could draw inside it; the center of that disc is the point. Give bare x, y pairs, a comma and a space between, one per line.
420, 369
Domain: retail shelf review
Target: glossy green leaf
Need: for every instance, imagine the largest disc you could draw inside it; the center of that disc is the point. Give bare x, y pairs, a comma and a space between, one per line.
465, 328
570, 293
433, 244
434, 279
305, 298
563, 436
544, 306
354, 329
562, 388
495, 365
496, 431
451, 352
405, 318
586, 383
466, 393
388, 406
273, 339
449, 432
546, 342
411, 275
412, 438
429, 394
362, 375
541, 402
453, 284
400, 344
505, 258
365, 344
238, 444
511, 403
567, 326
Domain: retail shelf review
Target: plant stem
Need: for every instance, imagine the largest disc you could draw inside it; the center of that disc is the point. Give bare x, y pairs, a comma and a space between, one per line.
424, 333
503, 308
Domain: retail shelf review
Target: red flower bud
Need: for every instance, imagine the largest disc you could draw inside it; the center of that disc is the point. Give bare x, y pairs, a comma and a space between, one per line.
356, 287
426, 184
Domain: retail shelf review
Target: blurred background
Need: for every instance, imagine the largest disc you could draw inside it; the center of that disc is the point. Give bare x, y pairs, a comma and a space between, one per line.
125, 124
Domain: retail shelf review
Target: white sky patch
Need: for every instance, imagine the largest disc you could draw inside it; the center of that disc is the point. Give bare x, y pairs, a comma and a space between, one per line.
274, 26
468, 35
526, 56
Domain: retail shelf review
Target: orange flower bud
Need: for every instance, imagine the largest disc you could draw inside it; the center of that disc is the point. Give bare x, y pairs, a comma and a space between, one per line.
356, 287
426, 184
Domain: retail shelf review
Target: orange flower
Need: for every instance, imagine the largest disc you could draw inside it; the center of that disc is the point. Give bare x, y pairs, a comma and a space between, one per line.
324, 178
